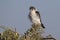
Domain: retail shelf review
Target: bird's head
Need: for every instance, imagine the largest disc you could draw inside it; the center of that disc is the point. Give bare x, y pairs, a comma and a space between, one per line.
32, 8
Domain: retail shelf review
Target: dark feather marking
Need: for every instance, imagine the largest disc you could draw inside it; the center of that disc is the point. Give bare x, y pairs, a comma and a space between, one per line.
42, 25
38, 14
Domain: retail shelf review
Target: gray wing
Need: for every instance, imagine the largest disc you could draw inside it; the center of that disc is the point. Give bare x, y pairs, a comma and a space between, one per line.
38, 14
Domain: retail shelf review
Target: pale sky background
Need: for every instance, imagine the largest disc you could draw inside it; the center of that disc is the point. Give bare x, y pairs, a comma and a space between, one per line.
15, 13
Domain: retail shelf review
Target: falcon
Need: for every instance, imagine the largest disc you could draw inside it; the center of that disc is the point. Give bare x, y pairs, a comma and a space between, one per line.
35, 17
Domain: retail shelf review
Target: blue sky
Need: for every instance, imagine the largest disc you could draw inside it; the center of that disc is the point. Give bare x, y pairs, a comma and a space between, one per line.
14, 13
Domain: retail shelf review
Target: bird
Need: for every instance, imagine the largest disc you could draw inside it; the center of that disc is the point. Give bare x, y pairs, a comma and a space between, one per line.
35, 17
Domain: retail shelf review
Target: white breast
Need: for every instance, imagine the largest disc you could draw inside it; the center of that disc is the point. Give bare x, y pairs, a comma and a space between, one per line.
35, 18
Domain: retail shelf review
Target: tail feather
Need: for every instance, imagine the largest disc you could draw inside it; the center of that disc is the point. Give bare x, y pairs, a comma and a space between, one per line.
42, 25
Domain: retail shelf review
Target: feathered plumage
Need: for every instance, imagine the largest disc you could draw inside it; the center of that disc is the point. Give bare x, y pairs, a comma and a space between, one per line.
35, 17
